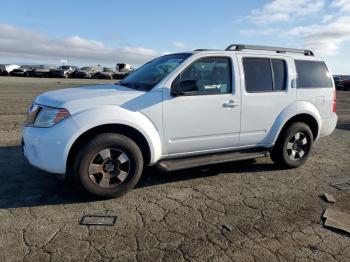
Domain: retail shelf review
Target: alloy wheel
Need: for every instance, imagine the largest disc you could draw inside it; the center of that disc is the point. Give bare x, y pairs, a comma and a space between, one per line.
297, 146
109, 168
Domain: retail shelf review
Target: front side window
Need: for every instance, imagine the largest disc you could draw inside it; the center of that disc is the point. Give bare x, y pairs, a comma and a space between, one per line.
151, 73
312, 74
264, 74
207, 76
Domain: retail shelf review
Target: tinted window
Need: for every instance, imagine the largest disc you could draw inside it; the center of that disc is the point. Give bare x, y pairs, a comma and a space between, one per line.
312, 74
210, 75
257, 74
279, 74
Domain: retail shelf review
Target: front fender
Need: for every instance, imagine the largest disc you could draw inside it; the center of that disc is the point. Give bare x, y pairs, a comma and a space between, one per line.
297, 108
91, 118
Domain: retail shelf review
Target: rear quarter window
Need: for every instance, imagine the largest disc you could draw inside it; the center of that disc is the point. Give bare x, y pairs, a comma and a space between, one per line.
312, 74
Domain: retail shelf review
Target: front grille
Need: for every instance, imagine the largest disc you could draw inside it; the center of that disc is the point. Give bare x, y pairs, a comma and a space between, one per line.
32, 113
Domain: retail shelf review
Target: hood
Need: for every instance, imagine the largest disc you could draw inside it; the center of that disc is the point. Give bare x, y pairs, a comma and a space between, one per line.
80, 98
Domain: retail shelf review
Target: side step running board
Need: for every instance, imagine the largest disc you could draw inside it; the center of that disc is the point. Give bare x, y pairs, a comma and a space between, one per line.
169, 165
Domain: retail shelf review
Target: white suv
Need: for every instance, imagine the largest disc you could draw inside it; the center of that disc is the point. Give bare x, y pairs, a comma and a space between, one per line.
181, 111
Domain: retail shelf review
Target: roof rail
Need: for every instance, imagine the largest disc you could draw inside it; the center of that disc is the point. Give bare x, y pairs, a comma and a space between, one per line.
240, 47
204, 49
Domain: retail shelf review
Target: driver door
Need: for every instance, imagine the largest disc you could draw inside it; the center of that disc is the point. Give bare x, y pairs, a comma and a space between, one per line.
201, 110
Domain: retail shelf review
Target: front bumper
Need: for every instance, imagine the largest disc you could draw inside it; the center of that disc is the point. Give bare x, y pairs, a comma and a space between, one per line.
47, 148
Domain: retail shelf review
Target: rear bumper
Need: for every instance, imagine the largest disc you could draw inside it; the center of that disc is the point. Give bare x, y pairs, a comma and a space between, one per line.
328, 125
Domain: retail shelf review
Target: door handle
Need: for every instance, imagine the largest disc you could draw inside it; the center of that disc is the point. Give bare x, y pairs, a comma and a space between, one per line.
229, 104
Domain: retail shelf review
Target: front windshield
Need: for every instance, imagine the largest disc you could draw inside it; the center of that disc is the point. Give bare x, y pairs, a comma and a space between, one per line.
151, 73
85, 68
64, 67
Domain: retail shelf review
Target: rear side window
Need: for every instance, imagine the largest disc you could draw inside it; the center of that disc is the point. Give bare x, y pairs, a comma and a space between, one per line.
312, 74
264, 74
280, 74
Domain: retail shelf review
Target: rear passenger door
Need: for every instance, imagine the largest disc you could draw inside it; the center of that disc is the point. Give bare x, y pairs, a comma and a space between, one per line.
266, 91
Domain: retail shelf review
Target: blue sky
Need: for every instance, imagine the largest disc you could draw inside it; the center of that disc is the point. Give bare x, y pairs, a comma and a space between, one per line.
106, 32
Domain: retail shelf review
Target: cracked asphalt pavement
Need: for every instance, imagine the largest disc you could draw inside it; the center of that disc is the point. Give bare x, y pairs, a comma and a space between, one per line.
243, 211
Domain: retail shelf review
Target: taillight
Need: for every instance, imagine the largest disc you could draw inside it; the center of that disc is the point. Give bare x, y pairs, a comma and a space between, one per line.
334, 101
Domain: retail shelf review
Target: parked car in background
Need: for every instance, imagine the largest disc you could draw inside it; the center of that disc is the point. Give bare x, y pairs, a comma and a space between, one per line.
346, 84
106, 73
11, 67
6, 69
63, 71
3, 71
122, 70
87, 71
41, 71
23, 70
338, 81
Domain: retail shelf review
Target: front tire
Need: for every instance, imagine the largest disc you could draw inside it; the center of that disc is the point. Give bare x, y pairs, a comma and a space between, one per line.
109, 165
293, 146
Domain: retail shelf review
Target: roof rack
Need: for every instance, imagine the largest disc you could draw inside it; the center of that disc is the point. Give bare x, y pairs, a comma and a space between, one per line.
204, 49
240, 47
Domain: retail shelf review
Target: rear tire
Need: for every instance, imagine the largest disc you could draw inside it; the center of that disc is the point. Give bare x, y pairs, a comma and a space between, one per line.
109, 165
293, 146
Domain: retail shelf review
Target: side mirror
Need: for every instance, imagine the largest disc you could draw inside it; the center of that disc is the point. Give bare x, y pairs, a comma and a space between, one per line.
185, 87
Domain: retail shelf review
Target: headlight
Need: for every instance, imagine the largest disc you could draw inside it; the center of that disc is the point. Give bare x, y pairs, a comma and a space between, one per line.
49, 116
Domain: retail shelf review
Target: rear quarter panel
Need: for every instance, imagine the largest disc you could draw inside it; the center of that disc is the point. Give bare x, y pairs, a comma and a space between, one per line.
322, 97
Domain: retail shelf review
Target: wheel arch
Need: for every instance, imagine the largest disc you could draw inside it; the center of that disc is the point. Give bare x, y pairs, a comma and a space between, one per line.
304, 118
301, 111
122, 129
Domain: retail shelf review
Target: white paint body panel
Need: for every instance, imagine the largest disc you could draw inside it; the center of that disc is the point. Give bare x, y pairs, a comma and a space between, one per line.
184, 125
200, 123
260, 110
